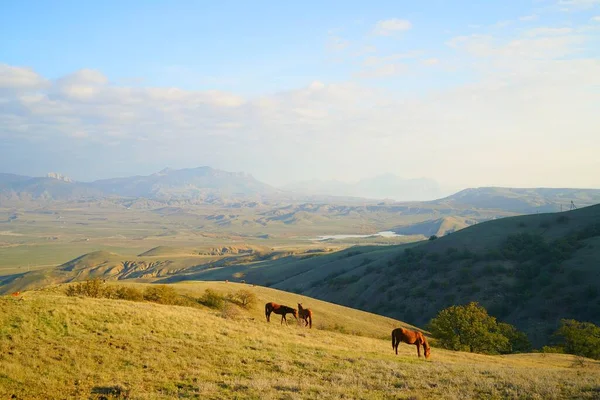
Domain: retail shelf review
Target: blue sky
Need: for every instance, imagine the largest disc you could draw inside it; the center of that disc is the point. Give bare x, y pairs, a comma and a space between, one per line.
469, 93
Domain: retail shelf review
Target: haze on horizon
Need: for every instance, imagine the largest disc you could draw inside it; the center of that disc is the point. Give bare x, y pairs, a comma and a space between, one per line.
468, 94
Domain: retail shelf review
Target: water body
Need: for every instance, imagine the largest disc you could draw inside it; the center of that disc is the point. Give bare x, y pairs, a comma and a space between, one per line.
386, 234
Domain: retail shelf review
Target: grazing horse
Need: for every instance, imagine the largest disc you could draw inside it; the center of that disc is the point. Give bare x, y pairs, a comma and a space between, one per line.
305, 314
410, 337
281, 310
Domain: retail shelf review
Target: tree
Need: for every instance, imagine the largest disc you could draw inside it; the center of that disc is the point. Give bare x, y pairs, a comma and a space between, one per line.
433, 237
468, 328
580, 338
518, 342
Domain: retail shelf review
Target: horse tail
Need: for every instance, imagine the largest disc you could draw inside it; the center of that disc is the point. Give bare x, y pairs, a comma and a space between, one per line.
394, 339
310, 319
268, 310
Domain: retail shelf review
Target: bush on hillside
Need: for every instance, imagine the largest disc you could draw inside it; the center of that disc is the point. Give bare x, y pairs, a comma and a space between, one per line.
580, 338
518, 342
470, 328
244, 298
90, 288
212, 299
161, 294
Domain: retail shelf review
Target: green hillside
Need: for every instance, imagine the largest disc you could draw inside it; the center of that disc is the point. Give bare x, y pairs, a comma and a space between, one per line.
58, 347
530, 271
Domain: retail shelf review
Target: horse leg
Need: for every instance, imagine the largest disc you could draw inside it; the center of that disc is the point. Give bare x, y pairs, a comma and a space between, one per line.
418, 349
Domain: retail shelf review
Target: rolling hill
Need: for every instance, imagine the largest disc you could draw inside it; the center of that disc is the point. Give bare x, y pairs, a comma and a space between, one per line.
522, 201
530, 271
53, 346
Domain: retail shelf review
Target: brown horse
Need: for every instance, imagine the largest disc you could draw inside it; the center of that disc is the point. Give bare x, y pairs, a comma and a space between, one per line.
305, 314
410, 337
281, 310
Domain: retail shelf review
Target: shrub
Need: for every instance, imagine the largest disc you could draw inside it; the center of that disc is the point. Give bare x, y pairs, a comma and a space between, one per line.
161, 294
433, 237
129, 293
518, 342
212, 299
230, 311
91, 288
245, 298
552, 349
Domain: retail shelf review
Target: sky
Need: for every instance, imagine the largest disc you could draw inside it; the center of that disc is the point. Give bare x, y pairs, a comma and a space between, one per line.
469, 93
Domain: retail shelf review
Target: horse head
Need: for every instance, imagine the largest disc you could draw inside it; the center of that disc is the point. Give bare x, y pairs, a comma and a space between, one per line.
427, 351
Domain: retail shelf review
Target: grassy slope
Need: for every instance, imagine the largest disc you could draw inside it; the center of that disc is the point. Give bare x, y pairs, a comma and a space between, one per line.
381, 280
53, 346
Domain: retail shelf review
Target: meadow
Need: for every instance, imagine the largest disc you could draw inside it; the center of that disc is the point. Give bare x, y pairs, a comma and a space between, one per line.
54, 346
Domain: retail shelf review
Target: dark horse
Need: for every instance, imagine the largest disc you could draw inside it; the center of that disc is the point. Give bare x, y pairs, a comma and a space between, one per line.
281, 310
410, 337
305, 314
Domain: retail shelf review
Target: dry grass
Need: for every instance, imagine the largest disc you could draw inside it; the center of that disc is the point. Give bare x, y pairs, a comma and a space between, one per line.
54, 346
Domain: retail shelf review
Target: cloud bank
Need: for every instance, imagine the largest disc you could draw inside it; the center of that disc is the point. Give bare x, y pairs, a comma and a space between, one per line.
528, 116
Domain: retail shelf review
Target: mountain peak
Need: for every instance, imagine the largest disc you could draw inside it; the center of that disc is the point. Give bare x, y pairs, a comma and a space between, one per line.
60, 177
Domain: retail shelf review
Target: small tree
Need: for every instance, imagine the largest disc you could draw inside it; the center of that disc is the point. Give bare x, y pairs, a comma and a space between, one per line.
433, 237
518, 342
580, 338
212, 299
246, 299
468, 328
162, 294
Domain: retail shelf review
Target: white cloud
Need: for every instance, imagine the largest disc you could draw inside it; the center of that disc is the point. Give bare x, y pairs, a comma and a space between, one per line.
528, 18
575, 5
596, 19
542, 31
19, 78
528, 117
391, 26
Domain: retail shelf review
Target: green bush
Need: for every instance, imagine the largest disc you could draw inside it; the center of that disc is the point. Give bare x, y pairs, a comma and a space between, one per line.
128, 293
212, 299
245, 298
90, 288
518, 342
161, 294
580, 338
468, 328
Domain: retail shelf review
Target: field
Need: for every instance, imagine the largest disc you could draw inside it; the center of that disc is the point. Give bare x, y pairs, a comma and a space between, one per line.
54, 346
41, 237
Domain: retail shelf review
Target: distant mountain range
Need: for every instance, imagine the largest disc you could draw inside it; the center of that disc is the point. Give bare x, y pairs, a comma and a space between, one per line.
209, 185
522, 201
202, 183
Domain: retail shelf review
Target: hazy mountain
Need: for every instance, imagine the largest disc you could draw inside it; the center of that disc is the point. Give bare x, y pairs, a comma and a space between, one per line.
386, 186
529, 200
52, 187
202, 182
